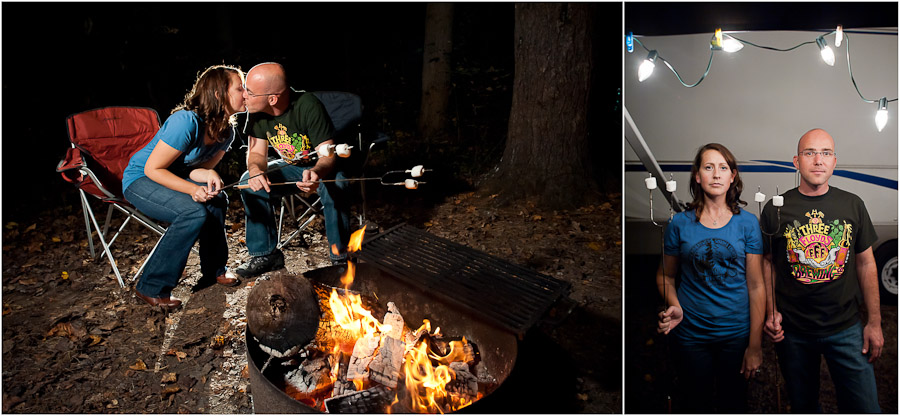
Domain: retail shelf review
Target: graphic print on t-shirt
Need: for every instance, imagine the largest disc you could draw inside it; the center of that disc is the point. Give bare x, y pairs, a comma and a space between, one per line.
817, 250
711, 257
290, 147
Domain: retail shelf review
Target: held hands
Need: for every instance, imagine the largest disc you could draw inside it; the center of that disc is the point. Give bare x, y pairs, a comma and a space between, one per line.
752, 361
873, 341
773, 327
669, 319
309, 183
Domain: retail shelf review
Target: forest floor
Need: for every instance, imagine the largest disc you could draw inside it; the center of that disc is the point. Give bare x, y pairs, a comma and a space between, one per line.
75, 342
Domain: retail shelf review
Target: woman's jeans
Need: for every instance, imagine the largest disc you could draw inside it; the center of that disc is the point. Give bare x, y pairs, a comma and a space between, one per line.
853, 375
262, 231
190, 221
709, 376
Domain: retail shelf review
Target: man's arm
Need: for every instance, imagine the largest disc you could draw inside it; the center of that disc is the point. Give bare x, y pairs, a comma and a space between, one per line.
772, 327
257, 162
873, 339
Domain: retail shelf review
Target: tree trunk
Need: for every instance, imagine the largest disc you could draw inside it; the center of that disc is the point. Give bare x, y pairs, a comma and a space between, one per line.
547, 154
433, 116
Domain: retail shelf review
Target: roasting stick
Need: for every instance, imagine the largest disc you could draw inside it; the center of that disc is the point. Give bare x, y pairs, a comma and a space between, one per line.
416, 171
342, 150
671, 185
777, 202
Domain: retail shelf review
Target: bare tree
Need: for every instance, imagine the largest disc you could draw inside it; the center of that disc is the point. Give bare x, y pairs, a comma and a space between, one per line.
547, 156
433, 118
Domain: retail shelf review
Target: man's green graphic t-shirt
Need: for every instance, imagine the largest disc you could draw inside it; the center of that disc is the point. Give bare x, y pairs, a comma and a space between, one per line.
296, 132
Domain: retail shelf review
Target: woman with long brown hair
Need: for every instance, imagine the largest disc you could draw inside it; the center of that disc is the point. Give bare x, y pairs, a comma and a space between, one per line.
173, 179
715, 315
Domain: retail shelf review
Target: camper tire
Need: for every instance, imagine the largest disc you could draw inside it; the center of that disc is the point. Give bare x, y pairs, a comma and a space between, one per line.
886, 260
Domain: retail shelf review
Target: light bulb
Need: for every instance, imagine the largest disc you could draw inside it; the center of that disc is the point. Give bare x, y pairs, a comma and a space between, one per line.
647, 66
629, 42
730, 44
825, 50
839, 36
650, 183
881, 116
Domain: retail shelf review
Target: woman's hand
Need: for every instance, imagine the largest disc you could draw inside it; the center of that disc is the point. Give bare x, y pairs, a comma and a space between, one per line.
200, 194
752, 361
669, 319
213, 183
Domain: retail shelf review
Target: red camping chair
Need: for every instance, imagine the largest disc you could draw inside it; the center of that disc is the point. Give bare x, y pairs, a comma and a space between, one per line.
103, 141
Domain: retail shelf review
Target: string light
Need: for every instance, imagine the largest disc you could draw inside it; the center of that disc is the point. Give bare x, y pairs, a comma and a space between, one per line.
724, 42
881, 116
647, 66
825, 50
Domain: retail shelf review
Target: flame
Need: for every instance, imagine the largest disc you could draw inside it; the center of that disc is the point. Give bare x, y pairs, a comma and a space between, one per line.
347, 278
352, 316
356, 239
424, 382
456, 353
334, 250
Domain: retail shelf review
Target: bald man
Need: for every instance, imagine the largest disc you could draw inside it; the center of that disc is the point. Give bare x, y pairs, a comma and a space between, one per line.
823, 261
295, 123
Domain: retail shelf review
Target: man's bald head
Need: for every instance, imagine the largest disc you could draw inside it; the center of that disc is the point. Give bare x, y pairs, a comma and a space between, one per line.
816, 135
268, 78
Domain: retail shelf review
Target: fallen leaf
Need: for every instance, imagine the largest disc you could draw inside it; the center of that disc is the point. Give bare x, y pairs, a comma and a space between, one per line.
169, 378
56, 239
31, 227
27, 282
245, 373
138, 366
583, 397
649, 342
65, 275
593, 245
95, 339
10, 225
537, 218
180, 355
171, 390
428, 224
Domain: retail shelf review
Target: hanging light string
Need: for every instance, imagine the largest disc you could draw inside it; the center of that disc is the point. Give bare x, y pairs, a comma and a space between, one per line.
716, 44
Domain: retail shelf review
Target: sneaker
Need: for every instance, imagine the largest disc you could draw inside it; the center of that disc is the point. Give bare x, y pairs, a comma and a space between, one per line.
335, 262
261, 264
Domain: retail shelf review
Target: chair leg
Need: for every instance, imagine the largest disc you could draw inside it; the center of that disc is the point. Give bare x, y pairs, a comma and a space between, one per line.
141, 270
87, 223
112, 262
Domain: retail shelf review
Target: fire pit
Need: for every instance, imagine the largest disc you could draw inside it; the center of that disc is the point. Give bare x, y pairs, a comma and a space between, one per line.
497, 348
479, 304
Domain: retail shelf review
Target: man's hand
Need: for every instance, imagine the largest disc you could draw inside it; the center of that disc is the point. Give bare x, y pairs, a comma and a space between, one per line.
773, 327
258, 181
310, 181
873, 341
752, 361
669, 319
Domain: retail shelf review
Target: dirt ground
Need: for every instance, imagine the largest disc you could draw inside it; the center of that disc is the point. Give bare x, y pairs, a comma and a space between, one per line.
650, 378
75, 342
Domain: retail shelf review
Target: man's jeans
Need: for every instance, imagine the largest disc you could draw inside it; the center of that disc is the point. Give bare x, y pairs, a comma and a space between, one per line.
262, 231
710, 379
189, 221
853, 375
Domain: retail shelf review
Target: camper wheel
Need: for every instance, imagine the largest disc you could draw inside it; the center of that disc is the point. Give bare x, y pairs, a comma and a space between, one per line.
886, 260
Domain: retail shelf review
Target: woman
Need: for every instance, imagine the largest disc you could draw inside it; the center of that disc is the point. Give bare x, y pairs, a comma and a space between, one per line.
172, 179
716, 314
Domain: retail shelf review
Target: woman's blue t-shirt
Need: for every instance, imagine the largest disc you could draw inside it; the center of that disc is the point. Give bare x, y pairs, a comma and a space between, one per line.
712, 263
181, 131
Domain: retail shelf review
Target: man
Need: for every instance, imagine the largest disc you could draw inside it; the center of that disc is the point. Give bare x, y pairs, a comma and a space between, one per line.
823, 261
298, 123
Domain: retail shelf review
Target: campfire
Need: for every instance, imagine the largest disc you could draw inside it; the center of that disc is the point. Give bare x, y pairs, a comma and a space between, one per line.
356, 363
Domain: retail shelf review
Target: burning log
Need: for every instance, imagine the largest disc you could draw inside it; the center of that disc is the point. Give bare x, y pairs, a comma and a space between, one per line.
283, 313
386, 366
464, 383
311, 378
395, 320
342, 386
363, 354
373, 400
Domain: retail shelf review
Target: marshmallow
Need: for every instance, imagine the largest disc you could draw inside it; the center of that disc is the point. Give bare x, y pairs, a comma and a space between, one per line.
325, 150
411, 184
778, 201
343, 150
417, 171
650, 182
759, 197
671, 186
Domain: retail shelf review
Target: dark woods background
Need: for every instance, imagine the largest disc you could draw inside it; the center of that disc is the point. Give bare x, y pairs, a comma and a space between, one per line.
64, 58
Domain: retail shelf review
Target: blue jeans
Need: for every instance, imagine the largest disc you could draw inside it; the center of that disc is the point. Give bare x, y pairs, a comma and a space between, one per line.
189, 221
853, 375
709, 374
262, 230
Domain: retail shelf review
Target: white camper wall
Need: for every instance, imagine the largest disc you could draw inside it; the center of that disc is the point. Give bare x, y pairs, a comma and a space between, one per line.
758, 103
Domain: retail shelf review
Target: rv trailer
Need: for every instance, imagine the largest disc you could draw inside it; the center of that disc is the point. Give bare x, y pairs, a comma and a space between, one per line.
758, 102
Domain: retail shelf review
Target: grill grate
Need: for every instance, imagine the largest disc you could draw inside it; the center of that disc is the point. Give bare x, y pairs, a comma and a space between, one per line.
509, 296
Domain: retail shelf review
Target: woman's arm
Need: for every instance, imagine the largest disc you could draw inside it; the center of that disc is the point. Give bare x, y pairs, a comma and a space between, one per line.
665, 283
157, 169
756, 289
